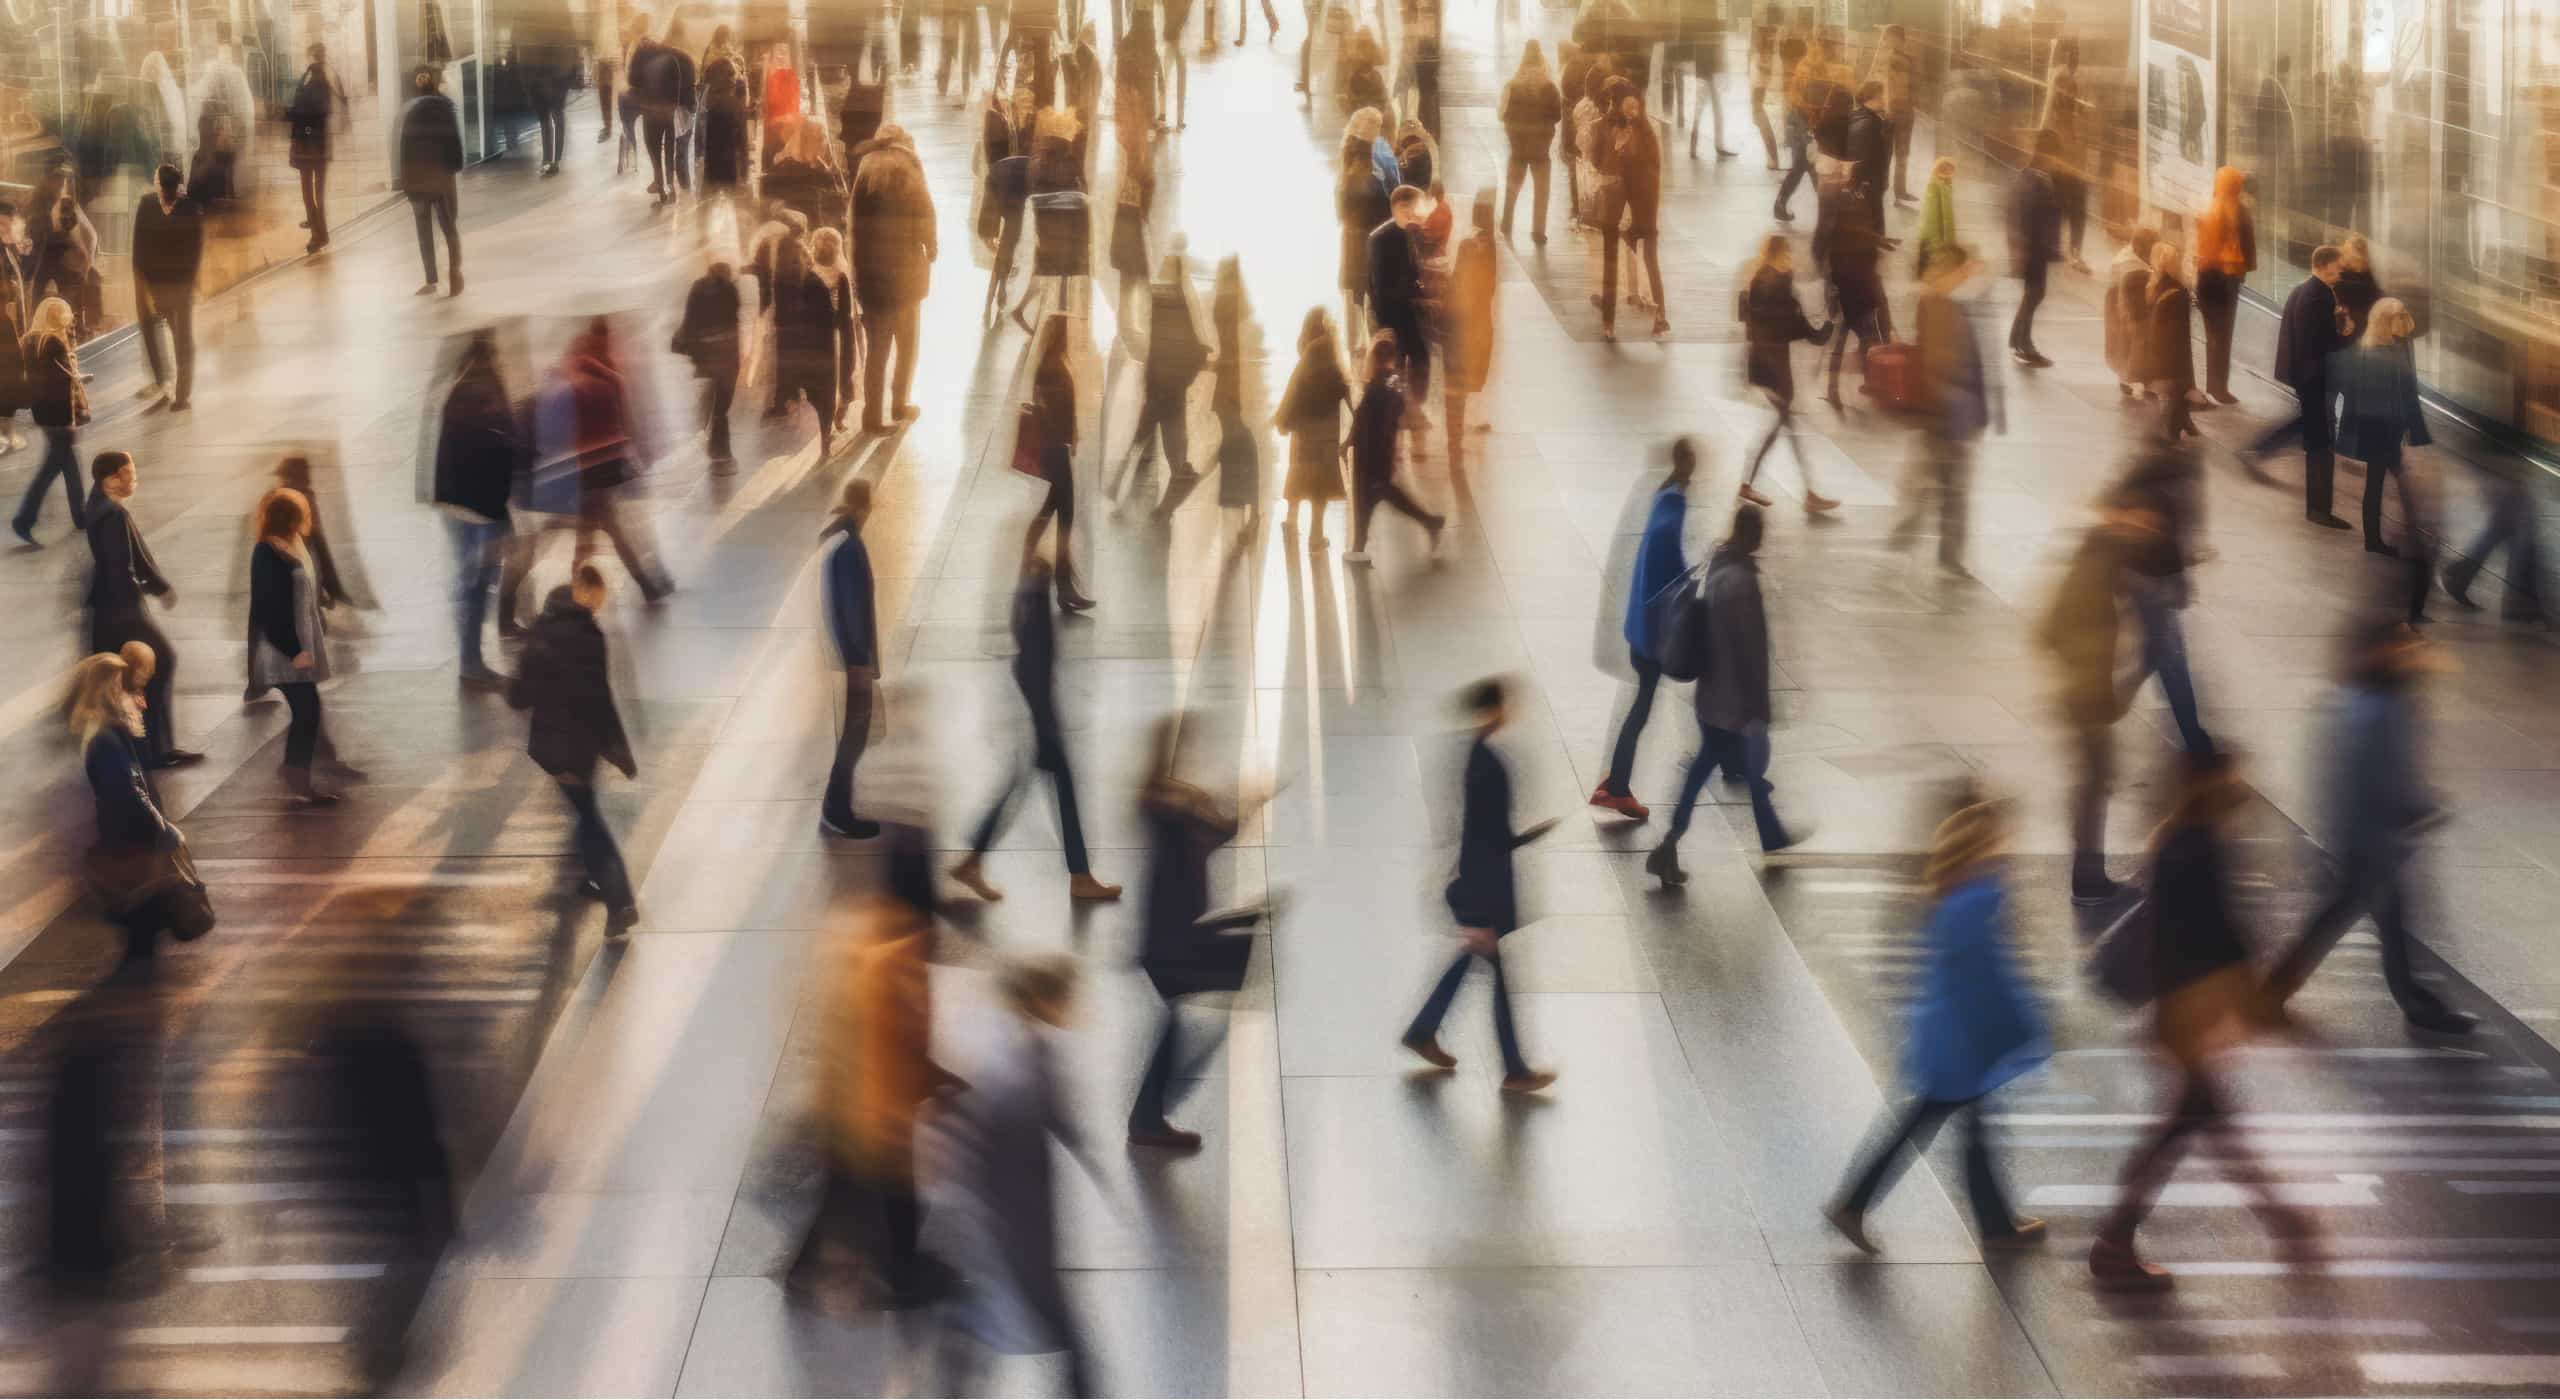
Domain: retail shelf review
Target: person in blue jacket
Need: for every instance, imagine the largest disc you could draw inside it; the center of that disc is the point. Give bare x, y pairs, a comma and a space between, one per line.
853, 631
1973, 1029
1660, 561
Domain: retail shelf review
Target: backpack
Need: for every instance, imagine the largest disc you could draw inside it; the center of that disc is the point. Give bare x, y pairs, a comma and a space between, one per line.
1676, 620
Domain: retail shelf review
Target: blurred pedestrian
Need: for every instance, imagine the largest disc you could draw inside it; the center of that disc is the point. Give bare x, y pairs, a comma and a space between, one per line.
1661, 561
667, 83
1176, 354
2359, 291
1186, 949
724, 119
2226, 253
1937, 230
1484, 897
2127, 312
1377, 427
816, 340
1045, 437
168, 249
1895, 69
1973, 1028
804, 178
288, 641
2508, 523
2035, 244
1529, 109
430, 159
2378, 414
563, 679
1061, 214
2305, 339
317, 107
1960, 400
122, 574
1006, 134
58, 394
1363, 183
1731, 698
1636, 154
1035, 676
2166, 487
591, 441
1310, 413
1854, 263
1773, 322
2080, 630
2168, 342
851, 607
1871, 141
480, 450
1240, 490
15, 309
1467, 327
708, 336
138, 865
892, 269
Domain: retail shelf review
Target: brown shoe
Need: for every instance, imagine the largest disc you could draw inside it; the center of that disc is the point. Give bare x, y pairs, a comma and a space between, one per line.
1428, 1047
968, 876
2117, 1268
1088, 888
1528, 1083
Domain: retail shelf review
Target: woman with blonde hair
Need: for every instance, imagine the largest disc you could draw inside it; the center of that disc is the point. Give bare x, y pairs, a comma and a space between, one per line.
288, 641
135, 865
61, 404
2378, 415
2168, 341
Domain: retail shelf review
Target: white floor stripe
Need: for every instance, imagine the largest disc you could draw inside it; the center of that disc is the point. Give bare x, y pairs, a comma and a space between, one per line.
2208, 1194
2242, 1365
2350, 1122
2457, 1369
283, 1273
235, 1336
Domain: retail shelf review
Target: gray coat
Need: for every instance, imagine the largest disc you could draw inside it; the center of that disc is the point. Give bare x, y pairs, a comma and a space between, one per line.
1734, 692
269, 666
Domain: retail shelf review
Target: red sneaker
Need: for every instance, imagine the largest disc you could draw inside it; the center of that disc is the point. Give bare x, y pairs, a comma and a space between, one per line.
1619, 803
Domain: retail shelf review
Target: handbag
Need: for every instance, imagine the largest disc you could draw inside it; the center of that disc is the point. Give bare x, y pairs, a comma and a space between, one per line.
2121, 960
127, 883
1676, 622
1026, 443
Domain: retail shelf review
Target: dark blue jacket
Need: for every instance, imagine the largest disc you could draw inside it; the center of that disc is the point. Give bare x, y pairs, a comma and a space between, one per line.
2309, 334
1484, 894
1659, 561
2377, 388
844, 573
129, 816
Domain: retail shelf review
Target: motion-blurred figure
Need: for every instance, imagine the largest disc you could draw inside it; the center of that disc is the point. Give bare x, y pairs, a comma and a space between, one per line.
1186, 951
379, 1105
288, 640
2379, 806
430, 158
1773, 322
15, 308
708, 336
1310, 412
2165, 486
1662, 558
892, 266
853, 632
139, 868
1731, 698
59, 398
563, 679
122, 574
2509, 524
2305, 339
1467, 326
1377, 438
168, 249
1973, 1028
2379, 416
1484, 897
2080, 631
1176, 354
1960, 399
2035, 245
1045, 438
1240, 491
1035, 675
590, 442
480, 450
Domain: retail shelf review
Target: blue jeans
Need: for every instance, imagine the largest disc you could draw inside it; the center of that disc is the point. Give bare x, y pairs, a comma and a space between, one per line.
1622, 762
59, 460
479, 548
2164, 654
1435, 1009
596, 850
1800, 155
2510, 523
1741, 754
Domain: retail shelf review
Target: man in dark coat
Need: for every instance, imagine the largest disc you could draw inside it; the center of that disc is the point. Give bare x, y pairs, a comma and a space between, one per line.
1732, 697
708, 336
430, 158
1395, 284
892, 267
562, 679
122, 575
2035, 244
2305, 340
853, 630
480, 449
168, 247
1484, 897
1871, 151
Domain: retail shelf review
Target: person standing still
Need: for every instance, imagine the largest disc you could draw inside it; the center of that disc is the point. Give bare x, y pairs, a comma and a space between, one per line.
288, 640
430, 158
1529, 110
2226, 253
317, 103
2035, 244
563, 680
892, 269
2308, 335
853, 631
168, 248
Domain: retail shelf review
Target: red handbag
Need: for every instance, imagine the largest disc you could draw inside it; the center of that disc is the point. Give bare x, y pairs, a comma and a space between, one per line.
1026, 443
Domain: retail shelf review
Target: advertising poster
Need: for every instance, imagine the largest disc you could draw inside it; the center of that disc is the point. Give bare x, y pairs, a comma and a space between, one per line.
2179, 142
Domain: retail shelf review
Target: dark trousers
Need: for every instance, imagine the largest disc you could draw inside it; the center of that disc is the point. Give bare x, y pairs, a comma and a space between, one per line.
1785, 407
2199, 1109
1740, 755
1941, 467
2369, 885
594, 840
431, 210
1869, 332
315, 201
881, 1218
1366, 497
2310, 422
59, 460
171, 305
2510, 523
1622, 761
551, 110
1062, 782
1435, 1009
2164, 654
1164, 417
1800, 157
302, 727
2093, 752
1539, 171
604, 100
2381, 468
851, 740
1912, 1128
1146, 1113
2022, 328
885, 328
2218, 303
719, 394
109, 631
666, 153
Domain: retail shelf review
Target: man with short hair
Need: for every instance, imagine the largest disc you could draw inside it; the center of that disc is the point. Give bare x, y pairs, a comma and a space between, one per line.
853, 631
430, 158
1892, 67
2305, 340
1395, 284
1871, 153
168, 248
565, 680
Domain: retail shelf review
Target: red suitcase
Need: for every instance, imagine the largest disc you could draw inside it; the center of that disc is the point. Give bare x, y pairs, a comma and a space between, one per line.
1893, 377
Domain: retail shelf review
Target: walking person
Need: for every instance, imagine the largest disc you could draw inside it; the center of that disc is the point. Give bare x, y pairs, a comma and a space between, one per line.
892, 269
590, 443
1635, 157
288, 640
1006, 134
2509, 523
1377, 432
1973, 1028
1396, 294
1960, 400
480, 451
1061, 214
1853, 261
724, 124
2226, 253
2168, 343
2208, 1002
2128, 312
2305, 339
1870, 140
2378, 415
1186, 951
1766, 74
2080, 630
1893, 67
122, 574
1661, 561
134, 860
1176, 354
1035, 675
1240, 490
1529, 110
1310, 413
318, 106
1364, 182
1731, 699
2166, 486
58, 397
708, 336
1467, 327
2359, 291
814, 338
563, 680
850, 603
430, 159
168, 251
1773, 323
1484, 896
2035, 245
1046, 435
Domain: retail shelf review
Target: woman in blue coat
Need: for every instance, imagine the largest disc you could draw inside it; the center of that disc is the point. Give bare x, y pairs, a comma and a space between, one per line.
1972, 1030
1660, 560
2378, 418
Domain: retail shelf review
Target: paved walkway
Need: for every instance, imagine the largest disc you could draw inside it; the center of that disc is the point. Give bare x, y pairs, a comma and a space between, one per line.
631, 1121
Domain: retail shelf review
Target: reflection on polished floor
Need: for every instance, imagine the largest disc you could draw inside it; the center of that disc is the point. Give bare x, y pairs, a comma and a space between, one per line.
629, 1119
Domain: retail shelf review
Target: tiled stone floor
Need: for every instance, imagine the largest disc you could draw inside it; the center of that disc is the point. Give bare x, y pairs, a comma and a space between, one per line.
630, 1121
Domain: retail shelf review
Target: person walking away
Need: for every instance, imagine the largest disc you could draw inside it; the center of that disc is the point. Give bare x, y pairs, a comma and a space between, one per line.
1310, 413
168, 250
1186, 951
2035, 244
317, 106
2166, 484
2379, 806
548, 61
430, 159
288, 642
2508, 522
563, 681
1530, 109
2379, 413
2060, 140
1364, 182
1396, 295
725, 163
1937, 231
853, 632
1766, 74
1960, 400
2226, 253
1893, 68
1702, 42
1973, 1028
1467, 321
585, 423
1176, 355
1007, 135
708, 336
2079, 630
1661, 561
1061, 212
1240, 490
1035, 675
123, 573
1046, 433
1854, 261
2168, 343
480, 450
2306, 338
1376, 432
2209, 1002
817, 342
892, 270
2127, 311
59, 400
1773, 322
607, 67
1731, 698
1484, 896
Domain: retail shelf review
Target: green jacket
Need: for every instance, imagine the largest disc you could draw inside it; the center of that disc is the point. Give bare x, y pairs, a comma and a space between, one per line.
1937, 219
